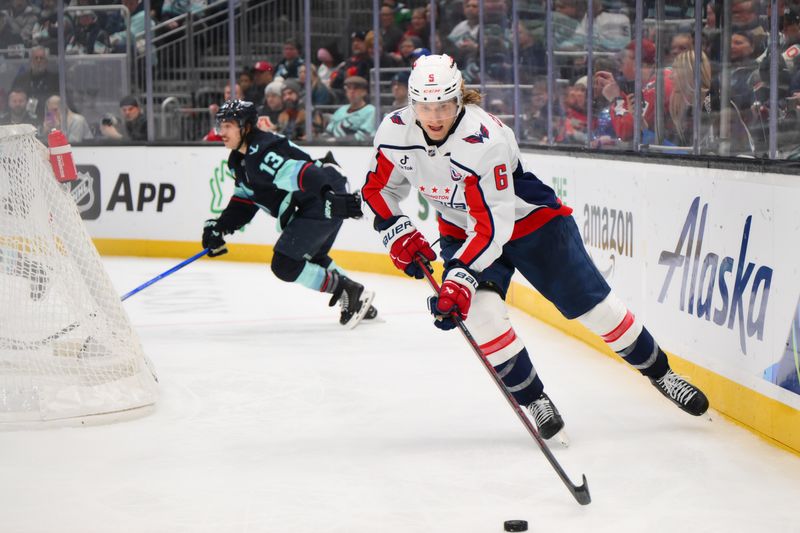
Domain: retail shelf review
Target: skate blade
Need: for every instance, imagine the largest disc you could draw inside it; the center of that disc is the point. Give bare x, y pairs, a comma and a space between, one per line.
561, 438
366, 301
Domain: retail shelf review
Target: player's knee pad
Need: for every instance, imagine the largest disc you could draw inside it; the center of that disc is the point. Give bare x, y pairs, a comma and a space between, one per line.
490, 326
612, 320
286, 268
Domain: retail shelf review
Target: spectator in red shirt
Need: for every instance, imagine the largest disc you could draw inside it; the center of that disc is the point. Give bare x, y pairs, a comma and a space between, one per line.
622, 104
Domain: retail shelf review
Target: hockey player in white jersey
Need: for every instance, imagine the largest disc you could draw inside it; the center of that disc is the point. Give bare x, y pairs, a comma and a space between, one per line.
495, 217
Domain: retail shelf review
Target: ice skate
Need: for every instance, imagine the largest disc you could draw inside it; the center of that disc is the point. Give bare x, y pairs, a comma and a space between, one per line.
681, 393
548, 420
372, 312
354, 301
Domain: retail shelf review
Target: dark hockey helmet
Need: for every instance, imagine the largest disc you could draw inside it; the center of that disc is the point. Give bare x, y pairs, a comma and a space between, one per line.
240, 111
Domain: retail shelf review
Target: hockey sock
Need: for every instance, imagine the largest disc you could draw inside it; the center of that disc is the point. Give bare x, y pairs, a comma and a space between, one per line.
625, 334
314, 277
646, 356
520, 378
331, 282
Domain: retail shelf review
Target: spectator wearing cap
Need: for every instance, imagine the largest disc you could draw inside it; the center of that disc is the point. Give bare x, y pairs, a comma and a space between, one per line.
606, 84
400, 89
354, 121
358, 64
133, 118
320, 93
292, 120
272, 108
38, 81
263, 74
287, 67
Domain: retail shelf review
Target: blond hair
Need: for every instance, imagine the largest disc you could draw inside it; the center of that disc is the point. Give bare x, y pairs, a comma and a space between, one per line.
682, 96
469, 96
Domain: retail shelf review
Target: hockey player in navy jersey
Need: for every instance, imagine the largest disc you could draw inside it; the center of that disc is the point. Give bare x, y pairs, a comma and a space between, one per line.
308, 198
495, 217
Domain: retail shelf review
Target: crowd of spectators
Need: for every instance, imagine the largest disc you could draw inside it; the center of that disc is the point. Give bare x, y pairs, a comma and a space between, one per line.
89, 27
342, 105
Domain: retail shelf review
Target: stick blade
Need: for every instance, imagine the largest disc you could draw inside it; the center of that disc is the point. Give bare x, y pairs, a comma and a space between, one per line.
581, 493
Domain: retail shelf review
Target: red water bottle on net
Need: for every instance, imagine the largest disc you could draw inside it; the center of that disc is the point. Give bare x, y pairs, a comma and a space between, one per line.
61, 157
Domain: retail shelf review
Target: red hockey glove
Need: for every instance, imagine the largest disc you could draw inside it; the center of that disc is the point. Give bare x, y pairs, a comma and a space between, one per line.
455, 295
404, 242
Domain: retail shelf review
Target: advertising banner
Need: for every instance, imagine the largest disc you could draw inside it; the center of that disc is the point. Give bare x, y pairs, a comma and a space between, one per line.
712, 271
165, 193
707, 258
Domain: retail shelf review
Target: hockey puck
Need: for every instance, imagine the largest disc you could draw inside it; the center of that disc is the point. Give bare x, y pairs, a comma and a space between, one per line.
515, 525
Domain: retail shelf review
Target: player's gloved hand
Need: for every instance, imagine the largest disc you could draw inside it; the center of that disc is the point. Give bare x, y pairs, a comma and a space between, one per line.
455, 295
405, 243
342, 205
212, 239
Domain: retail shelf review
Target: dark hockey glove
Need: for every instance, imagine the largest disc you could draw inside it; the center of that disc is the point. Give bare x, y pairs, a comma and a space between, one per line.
212, 239
342, 205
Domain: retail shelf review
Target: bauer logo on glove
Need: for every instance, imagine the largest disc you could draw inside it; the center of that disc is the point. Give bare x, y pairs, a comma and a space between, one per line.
405, 244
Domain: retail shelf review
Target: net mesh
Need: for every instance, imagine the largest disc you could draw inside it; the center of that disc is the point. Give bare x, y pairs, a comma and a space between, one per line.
67, 348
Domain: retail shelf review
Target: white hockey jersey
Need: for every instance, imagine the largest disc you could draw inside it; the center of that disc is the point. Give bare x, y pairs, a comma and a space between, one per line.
475, 180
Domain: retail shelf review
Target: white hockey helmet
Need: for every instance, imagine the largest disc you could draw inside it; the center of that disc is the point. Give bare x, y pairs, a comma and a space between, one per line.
434, 78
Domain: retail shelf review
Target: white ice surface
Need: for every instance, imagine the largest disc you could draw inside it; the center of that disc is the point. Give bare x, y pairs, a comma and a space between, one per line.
273, 418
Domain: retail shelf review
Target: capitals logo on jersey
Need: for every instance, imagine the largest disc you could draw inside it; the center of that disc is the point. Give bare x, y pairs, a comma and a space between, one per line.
455, 175
397, 119
476, 138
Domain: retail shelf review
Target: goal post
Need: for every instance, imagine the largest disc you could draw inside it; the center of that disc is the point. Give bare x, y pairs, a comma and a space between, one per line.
67, 347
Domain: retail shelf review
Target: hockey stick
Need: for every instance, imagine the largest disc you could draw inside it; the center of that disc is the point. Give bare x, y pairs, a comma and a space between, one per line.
177, 267
579, 492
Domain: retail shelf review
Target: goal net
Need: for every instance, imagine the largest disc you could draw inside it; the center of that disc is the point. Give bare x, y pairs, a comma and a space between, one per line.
67, 348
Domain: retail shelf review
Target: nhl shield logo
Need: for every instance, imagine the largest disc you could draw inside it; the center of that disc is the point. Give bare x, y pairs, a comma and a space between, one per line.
85, 190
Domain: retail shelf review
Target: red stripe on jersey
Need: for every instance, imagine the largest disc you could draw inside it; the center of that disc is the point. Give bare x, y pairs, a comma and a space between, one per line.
620, 330
448, 229
536, 219
242, 200
300, 176
376, 181
499, 343
477, 209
